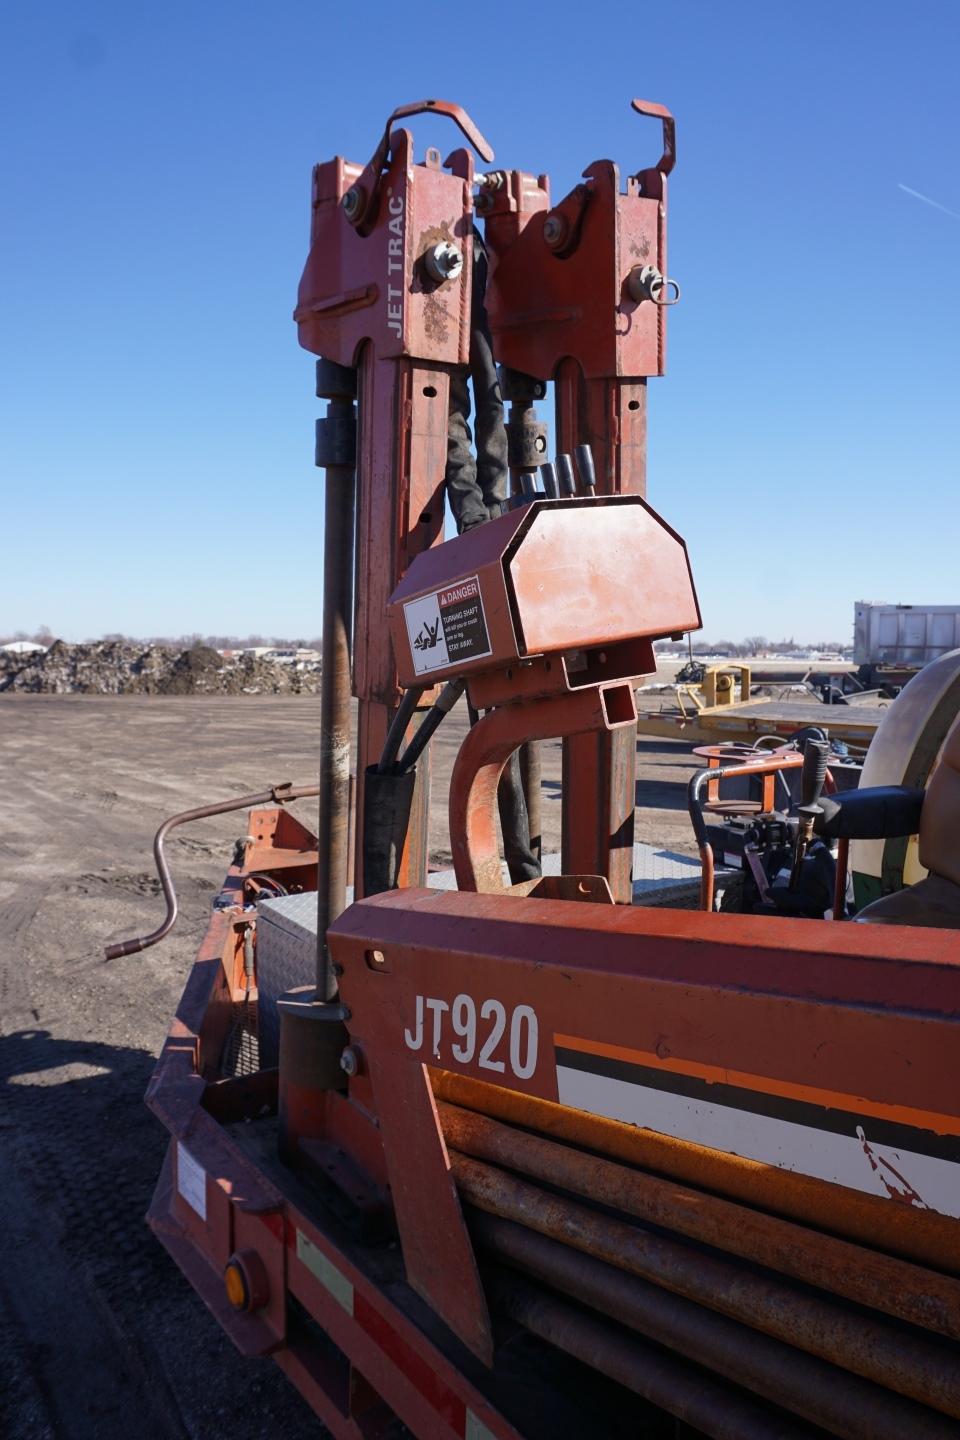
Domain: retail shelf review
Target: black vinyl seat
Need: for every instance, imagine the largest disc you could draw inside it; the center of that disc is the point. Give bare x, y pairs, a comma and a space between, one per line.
892, 810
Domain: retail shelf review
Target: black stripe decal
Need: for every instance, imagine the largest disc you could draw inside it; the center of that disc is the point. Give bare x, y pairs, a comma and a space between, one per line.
889, 1133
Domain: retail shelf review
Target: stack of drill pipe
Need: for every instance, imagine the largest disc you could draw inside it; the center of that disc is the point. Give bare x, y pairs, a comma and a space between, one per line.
844, 1336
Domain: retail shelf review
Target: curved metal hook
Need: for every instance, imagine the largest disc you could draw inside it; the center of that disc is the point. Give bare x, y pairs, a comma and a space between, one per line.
660, 112
367, 189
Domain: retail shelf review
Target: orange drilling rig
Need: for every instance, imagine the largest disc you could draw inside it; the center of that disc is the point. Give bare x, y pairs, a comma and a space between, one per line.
522, 1157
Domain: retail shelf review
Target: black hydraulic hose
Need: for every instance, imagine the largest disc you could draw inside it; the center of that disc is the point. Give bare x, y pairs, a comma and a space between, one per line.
277, 795
444, 703
398, 726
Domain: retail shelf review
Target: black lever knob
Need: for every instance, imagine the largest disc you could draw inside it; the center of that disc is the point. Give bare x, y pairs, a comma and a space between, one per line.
565, 475
585, 469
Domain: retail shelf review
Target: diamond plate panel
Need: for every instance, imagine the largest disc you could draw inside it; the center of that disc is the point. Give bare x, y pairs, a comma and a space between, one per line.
286, 958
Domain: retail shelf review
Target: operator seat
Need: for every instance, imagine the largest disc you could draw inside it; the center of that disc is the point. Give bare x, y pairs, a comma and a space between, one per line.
933, 814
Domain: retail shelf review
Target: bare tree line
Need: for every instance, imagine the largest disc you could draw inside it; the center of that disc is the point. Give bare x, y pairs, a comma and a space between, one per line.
760, 645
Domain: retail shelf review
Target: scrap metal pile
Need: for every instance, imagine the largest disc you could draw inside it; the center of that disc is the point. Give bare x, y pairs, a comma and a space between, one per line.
117, 667
523, 1158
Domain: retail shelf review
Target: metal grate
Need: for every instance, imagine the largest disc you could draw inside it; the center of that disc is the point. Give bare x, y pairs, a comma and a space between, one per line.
241, 1049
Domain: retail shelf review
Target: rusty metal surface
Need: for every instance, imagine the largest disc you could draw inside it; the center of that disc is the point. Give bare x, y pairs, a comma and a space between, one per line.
246, 1208
922, 1369
333, 830
550, 303
789, 1013
357, 287
919, 1296
843, 1404
929, 1239
681, 1389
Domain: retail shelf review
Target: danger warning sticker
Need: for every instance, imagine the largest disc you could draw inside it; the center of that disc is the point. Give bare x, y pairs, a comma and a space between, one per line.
447, 627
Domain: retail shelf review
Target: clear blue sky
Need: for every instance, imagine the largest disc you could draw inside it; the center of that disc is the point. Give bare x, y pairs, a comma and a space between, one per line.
156, 413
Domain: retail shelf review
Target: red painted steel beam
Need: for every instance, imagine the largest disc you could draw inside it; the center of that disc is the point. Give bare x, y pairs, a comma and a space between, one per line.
485, 751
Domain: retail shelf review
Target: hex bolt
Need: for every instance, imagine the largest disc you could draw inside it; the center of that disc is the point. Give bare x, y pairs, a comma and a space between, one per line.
443, 261
350, 1061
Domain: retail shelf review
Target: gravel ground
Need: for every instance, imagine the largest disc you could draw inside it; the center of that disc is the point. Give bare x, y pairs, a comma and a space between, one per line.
100, 1337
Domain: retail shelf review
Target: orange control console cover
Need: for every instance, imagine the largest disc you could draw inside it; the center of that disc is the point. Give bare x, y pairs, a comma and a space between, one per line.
553, 576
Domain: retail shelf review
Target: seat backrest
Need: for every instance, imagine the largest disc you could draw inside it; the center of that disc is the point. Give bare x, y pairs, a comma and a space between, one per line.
940, 819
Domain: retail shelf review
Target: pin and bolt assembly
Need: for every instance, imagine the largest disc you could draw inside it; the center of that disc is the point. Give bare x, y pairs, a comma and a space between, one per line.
443, 261
645, 282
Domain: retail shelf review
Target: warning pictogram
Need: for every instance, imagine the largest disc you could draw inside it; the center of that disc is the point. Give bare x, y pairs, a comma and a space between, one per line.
447, 627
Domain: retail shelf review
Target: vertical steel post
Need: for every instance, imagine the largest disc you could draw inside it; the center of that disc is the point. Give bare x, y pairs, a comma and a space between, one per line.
599, 771
336, 453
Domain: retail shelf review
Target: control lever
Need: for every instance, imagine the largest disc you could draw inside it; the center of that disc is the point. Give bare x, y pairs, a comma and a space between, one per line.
812, 776
548, 476
528, 486
585, 469
565, 476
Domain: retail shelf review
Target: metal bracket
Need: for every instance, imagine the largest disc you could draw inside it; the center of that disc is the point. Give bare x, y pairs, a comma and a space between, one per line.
361, 201
660, 112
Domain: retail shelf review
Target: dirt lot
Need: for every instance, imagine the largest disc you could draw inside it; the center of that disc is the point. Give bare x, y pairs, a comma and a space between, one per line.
100, 1338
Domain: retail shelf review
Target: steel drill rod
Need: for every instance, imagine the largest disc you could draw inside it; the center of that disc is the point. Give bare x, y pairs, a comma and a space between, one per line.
674, 1385
843, 1404
333, 831
920, 1235
919, 1296
915, 1365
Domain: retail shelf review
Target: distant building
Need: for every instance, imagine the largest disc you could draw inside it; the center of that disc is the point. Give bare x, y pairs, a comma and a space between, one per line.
22, 647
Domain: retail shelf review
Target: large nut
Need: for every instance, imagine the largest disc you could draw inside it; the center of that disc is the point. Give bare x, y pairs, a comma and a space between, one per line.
443, 261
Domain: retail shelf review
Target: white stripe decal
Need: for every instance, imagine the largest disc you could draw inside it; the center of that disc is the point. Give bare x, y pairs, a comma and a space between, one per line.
476, 1430
851, 1160
326, 1272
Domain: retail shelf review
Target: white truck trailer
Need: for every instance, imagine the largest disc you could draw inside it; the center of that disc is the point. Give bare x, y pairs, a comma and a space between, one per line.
893, 642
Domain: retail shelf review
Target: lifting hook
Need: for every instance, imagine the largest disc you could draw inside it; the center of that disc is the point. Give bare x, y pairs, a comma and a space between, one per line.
361, 201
